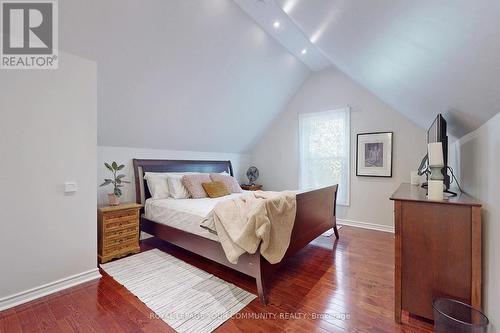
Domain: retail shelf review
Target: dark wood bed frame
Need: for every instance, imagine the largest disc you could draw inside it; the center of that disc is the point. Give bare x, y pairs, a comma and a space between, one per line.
315, 215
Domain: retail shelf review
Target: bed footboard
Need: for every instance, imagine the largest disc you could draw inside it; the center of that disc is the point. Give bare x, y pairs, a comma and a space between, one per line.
315, 215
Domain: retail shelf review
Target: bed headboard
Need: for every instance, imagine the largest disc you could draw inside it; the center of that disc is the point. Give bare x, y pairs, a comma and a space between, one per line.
142, 166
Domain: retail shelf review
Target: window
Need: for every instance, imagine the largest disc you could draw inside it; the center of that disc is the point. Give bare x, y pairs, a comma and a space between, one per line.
324, 151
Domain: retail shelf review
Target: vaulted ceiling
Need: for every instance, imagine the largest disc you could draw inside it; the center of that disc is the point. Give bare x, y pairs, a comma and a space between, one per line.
421, 57
205, 75
180, 74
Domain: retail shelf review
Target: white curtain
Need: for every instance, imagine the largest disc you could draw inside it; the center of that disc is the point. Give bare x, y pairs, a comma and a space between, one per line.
324, 151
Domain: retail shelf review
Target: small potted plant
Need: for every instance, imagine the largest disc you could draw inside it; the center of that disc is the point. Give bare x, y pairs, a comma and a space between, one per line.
117, 182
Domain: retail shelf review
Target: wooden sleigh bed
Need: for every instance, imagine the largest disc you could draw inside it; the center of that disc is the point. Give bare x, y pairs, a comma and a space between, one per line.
315, 215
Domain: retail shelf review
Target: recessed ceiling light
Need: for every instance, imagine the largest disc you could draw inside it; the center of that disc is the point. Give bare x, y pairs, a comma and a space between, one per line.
276, 24
304, 51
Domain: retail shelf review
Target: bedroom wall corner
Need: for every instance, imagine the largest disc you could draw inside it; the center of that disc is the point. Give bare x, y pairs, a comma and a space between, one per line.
125, 155
49, 136
277, 153
475, 159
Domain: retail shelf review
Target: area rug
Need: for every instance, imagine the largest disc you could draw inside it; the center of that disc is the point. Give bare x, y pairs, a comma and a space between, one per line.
185, 297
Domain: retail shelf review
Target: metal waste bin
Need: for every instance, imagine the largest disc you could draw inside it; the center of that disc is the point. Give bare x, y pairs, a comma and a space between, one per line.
452, 316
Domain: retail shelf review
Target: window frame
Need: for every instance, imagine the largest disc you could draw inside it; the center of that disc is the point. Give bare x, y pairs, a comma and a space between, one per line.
347, 111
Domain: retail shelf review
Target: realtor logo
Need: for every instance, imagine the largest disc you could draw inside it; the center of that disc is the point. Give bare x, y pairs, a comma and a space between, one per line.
29, 34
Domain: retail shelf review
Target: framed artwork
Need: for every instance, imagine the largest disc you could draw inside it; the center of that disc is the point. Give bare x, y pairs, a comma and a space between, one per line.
374, 154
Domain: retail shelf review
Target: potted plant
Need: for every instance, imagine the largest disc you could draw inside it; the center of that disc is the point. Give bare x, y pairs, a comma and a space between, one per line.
117, 182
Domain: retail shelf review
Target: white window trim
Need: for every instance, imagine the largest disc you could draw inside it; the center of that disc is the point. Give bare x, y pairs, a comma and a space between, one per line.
347, 110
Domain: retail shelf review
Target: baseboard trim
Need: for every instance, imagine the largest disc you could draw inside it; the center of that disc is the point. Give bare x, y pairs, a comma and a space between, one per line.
365, 225
47, 289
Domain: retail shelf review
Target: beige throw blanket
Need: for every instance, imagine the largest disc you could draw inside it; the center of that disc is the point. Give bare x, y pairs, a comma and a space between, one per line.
264, 218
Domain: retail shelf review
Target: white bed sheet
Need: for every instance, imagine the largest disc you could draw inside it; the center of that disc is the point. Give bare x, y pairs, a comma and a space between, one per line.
185, 214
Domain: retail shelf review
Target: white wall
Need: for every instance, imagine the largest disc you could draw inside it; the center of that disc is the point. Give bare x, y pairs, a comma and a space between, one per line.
476, 160
180, 74
277, 153
48, 136
124, 155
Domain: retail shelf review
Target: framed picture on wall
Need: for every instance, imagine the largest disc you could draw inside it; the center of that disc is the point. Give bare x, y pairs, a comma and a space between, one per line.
374, 154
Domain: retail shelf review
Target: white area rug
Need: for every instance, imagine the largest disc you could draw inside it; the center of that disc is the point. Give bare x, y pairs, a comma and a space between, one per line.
185, 297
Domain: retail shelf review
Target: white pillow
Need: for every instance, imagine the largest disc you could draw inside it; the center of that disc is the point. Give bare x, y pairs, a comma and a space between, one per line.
156, 174
176, 188
157, 185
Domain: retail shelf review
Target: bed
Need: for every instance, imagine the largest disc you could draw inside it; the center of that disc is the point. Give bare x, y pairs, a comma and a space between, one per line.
315, 215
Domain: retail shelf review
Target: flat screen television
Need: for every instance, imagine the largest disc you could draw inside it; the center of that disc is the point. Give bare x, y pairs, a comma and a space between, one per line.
437, 133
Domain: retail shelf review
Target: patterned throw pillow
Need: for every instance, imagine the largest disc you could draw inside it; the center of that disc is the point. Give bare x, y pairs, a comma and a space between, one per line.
230, 182
193, 184
216, 189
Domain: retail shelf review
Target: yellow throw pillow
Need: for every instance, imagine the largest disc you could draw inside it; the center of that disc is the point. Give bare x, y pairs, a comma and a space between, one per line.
215, 189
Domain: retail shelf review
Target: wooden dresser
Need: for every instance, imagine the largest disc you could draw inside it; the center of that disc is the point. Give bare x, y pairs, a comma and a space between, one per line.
438, 250
118, 231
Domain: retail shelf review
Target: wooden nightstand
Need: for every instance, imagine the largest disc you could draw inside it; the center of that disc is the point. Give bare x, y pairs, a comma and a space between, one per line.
118, 231
248, 187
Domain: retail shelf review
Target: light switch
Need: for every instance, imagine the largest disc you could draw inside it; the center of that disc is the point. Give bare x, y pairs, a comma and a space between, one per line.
70, 187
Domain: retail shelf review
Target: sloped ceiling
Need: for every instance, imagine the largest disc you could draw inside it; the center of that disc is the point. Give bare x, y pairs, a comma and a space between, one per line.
269, 15
422, 57
180, 74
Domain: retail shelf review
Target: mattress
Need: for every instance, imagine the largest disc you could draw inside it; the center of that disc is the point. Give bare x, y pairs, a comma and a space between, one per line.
185, 214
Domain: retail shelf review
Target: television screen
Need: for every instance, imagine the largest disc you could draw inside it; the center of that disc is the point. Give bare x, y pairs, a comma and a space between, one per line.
437, 133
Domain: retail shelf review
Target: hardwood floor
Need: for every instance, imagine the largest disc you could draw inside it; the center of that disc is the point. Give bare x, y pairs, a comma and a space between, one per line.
352, 288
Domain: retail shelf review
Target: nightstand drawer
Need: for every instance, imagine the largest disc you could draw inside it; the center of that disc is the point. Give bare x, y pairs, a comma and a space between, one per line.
121, 240
129, 213
121, 231
119, 224
120, 249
